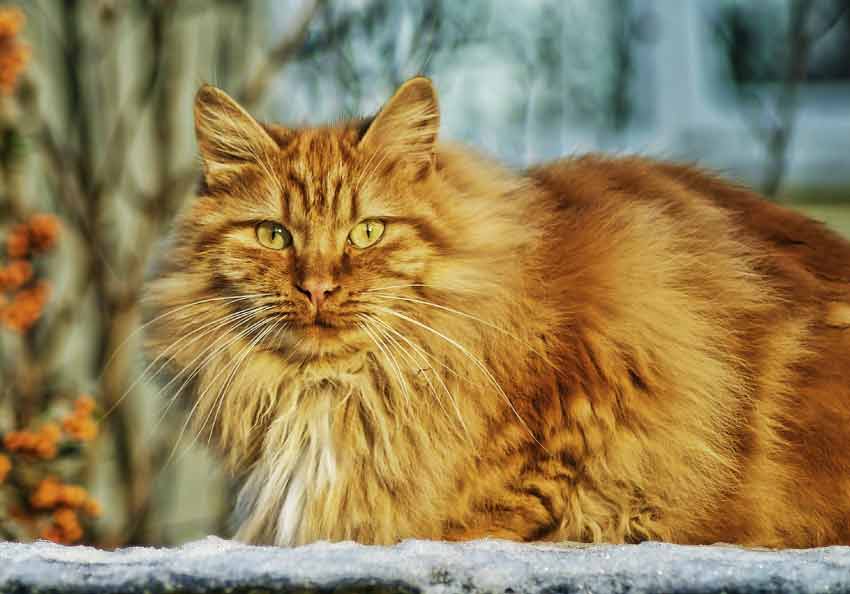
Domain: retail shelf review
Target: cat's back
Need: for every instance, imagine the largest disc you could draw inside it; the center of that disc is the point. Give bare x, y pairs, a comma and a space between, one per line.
731, 297
803, 255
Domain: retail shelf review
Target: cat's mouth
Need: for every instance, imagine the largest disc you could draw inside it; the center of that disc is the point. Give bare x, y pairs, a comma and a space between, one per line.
322, 328
320, 322
325, 341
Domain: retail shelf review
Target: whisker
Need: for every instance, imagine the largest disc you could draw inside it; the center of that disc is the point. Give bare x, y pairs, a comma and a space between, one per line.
240, 322
422, 353
233, 366
172, 312
265, 413
210, 352
417, 365
477, 362
213, 325
425, 353
366, 401
229, 381
507, 333
391, 360
400, 287
241, 335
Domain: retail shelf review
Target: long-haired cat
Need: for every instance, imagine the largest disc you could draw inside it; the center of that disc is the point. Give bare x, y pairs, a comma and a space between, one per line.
392, 337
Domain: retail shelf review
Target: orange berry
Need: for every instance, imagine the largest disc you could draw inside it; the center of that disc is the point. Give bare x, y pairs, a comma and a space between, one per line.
43, 231
51, 431
46, 494
15, 275
80, 428
26, 308
18, 240
84, 405
68, 524
64, 517
20, 441
46, 450
5, 467
12, 20
73, 495
92, 508
73, 534
11, 440
70, 424
13, 54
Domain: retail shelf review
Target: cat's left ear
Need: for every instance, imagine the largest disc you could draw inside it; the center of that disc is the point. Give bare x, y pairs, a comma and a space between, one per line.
227, 135
407, 124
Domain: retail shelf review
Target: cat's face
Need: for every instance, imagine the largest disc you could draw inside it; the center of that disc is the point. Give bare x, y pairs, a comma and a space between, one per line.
306, 230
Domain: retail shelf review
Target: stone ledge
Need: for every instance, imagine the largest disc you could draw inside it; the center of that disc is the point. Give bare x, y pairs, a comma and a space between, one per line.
215, 565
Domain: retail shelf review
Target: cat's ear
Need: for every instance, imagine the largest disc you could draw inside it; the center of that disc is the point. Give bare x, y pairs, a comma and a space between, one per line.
227, 135
407, 124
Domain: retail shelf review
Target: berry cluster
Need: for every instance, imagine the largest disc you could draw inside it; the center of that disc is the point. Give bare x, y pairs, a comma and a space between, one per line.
40, 504
14, 54
22, 296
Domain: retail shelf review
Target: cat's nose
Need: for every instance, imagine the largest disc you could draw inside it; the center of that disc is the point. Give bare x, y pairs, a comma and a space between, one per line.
317, 290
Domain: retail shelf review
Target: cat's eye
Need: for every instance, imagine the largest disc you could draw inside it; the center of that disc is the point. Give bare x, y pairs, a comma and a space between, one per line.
273, 235
366, 233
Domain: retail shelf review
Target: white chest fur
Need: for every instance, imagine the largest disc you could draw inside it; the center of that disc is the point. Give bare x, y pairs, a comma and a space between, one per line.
298, 462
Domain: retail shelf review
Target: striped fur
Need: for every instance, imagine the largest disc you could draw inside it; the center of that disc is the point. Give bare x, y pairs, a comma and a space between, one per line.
595, 349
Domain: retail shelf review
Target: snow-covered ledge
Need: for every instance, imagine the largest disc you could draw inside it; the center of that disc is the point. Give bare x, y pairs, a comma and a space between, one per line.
215, 565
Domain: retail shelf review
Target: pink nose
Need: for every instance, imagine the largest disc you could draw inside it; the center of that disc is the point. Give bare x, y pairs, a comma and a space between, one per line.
317, 289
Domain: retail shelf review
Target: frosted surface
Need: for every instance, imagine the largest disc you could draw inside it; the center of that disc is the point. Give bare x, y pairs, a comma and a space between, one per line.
215, 565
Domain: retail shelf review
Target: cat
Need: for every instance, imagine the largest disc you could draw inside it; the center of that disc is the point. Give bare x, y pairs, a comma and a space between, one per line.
391, 337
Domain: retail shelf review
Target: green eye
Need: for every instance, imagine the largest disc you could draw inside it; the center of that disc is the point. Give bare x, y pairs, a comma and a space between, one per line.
366, 233
273, 235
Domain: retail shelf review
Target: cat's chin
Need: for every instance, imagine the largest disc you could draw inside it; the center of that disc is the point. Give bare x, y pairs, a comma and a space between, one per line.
325, 341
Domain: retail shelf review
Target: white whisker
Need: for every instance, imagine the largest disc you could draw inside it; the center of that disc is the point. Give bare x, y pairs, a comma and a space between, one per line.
210, 352
267, 411
198, 400
391, 360
209, 327
372, 290
229, 381
507, 333
423, 354
475, 360
234, 367
173, 311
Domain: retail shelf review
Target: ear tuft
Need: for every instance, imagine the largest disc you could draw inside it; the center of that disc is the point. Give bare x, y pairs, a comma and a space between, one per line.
407, 124
227, 135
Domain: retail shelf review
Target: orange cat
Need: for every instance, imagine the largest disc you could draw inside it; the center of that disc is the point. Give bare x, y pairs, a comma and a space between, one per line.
390, 337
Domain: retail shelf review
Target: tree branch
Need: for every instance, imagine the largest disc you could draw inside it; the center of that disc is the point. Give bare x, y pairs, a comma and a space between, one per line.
279, 55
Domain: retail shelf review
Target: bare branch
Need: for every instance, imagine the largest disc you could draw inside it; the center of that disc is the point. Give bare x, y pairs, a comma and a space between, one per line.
780, 136
279, 55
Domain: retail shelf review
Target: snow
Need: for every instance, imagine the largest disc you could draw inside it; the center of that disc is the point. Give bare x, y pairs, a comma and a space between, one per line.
214, 565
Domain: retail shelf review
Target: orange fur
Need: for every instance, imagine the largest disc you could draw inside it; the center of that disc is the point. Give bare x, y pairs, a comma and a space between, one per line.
595, 349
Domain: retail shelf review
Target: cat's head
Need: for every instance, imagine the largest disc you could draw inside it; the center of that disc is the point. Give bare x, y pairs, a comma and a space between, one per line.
306, 222
320, 243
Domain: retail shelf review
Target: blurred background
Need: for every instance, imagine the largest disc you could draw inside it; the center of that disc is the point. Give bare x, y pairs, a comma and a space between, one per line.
97, 154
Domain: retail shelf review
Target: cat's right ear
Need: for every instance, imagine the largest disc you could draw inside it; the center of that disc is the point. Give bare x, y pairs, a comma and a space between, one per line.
227, 135
407, 124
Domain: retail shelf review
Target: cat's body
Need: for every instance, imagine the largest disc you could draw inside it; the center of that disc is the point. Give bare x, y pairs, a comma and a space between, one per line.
598, 349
